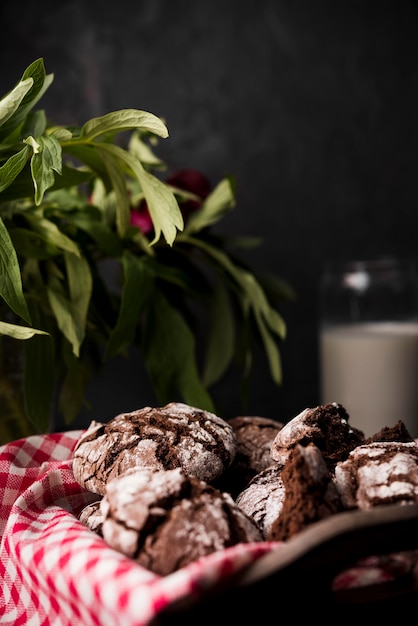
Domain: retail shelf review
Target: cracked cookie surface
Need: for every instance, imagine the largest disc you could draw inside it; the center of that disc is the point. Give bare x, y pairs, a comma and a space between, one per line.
161, 438
165, 519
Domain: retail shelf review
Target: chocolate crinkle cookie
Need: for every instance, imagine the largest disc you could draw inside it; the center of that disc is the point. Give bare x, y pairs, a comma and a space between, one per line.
263, 498
166, 519
309, 493
283, 499
92, 517
381, 472
176, 435
255, 436
327, 426
177, 483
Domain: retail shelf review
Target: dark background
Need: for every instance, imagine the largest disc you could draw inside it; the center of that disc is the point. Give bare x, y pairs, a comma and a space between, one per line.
312, 106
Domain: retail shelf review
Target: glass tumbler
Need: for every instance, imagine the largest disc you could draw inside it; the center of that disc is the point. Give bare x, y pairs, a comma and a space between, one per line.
368, 341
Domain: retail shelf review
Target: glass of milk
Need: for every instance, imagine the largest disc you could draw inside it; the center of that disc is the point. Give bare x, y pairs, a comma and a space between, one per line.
368, 341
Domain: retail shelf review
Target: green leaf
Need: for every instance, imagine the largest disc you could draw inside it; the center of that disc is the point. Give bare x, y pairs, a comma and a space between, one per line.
46, 160
169, 356
62, 134
142, 151
117, 178
270, 347
269, 321
70, 310
23, 187
215, 206
90, 157
221, 336
35, 124
11, 101
80, 284
31, 245
259, 303
249, 286
125, 119
10, 277
107, 241
41, 82
138, 282
19, 332
61, 307
253, 298
71, 177
163, 207
162, 204
13, 167
36, 71
51, 233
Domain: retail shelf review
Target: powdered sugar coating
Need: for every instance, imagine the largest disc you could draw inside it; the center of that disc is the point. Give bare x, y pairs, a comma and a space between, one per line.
294, 430
92, 517
263, 498
176, 435
165, 519
379, 473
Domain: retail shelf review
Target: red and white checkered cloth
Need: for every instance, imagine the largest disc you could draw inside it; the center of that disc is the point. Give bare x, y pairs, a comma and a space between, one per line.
56, 572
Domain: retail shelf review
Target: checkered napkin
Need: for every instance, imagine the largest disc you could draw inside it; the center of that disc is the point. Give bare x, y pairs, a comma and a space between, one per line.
56, 572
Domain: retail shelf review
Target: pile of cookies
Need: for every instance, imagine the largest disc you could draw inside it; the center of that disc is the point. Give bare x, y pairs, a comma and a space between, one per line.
153, 470
176, 483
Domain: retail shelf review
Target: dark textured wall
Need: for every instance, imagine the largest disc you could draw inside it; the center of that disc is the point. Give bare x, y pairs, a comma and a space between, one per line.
312, 106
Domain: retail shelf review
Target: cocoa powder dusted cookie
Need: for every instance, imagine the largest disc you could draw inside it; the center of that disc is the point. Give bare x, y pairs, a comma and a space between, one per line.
327, 426
283, 499
255, 436
263, 498
309, 493
164, 519
379, 473
91, 516
176, 435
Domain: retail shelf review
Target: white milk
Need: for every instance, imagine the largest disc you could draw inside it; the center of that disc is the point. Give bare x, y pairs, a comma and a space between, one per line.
372, 370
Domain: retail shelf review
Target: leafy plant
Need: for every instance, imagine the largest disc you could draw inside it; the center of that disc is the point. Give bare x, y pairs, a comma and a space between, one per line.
71, 204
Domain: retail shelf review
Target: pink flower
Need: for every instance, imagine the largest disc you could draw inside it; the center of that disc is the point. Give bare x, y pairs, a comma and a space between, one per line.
141, 218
